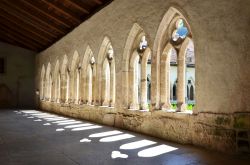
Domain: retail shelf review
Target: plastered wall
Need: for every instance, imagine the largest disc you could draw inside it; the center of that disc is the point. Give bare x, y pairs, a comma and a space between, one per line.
18, 77
221, 41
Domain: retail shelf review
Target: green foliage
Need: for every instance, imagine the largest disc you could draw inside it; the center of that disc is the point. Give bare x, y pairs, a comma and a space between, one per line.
174, 106
189, 106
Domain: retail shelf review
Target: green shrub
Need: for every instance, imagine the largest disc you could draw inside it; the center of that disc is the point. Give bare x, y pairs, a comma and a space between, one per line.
190, 107
173, 106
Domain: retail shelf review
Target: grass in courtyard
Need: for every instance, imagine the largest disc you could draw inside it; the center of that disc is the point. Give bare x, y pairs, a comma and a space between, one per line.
190, 107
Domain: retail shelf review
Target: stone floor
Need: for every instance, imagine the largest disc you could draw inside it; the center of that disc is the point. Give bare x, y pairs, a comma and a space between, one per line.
30, 137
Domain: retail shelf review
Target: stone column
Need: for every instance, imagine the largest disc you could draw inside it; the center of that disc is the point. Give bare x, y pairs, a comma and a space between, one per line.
165, 82
181, 70
63, 88
105, 88
133, 82
89, 85
133, 92
112, 83
181, 106
144, 83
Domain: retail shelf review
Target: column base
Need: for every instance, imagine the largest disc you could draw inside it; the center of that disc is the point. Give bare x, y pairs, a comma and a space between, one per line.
166, 106
144, 106
76, 101
134, 106
181, 107
105, 103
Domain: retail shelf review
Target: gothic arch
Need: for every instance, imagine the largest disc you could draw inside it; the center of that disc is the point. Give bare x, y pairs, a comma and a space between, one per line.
163, 38
134, 69
128, 50
88, 77
106, 73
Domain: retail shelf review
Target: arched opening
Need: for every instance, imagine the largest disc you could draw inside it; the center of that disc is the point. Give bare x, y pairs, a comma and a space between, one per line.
87, 87
190, 91
191, 96
173, 33
137, 70
174, 92
106, 73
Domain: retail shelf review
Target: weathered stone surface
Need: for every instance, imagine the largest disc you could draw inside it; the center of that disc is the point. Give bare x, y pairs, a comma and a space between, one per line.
221, 38
109, 119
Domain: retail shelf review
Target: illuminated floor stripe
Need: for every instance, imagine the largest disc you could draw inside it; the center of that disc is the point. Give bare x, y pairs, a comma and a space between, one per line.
86, 128
78, 125
63, 121
40, 114
116, 138
55, 119
137, 144
155, 151
68, 123
45, 116
33, 111
103, 134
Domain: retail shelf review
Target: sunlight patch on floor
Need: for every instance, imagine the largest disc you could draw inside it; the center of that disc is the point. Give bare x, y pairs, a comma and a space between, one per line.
155, 151
63, 121
103, 134
78, 125
85, 140
68, 123
118, 154
59, 129
137, 144
55, 119
86, 128
116, 138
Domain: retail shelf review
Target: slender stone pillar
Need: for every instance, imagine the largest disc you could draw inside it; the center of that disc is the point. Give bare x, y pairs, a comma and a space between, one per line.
112, 83
181, 70
165, 78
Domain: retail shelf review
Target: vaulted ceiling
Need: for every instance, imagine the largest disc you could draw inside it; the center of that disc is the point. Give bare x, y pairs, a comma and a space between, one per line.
37, 24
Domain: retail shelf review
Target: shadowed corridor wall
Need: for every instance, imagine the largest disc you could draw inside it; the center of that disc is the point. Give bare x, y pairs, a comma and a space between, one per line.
17, 83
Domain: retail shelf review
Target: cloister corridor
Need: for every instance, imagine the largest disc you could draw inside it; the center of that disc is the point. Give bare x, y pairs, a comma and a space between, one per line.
36, 137
124, 82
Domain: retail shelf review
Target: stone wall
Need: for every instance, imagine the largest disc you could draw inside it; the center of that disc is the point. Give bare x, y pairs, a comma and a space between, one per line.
208, 130
220, 35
